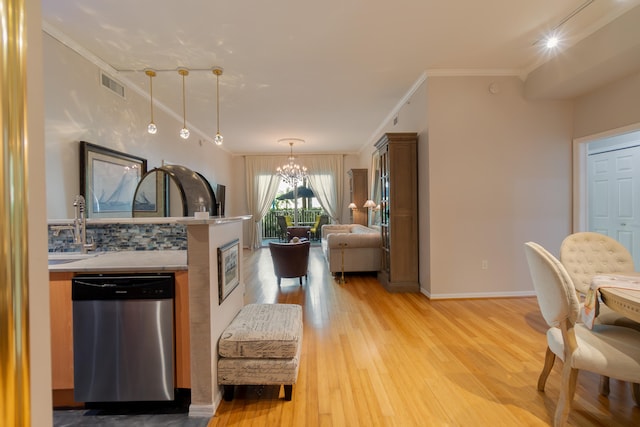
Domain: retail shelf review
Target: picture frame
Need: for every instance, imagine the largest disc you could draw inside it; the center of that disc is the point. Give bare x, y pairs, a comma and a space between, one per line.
108, 180
228, 268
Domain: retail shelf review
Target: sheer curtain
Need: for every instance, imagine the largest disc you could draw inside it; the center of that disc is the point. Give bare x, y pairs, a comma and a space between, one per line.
326, 178
262, 185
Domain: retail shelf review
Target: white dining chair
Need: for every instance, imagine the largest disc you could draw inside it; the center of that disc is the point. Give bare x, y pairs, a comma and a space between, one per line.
609, 350
586, 254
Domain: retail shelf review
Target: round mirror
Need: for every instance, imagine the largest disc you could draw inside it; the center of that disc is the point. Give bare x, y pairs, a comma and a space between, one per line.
173, 190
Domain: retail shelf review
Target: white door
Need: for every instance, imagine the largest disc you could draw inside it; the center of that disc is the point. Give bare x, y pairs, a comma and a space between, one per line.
614, 201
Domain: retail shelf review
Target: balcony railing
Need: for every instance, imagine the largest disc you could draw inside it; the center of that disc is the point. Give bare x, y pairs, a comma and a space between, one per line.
270, 228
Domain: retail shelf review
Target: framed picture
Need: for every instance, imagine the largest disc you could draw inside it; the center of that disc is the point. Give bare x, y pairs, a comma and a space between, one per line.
228, 268
108, 180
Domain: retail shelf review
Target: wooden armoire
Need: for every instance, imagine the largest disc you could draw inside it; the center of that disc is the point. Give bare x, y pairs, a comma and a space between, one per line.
398, 174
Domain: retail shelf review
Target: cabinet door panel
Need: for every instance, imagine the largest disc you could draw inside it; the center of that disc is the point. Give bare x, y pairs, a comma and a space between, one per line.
183, 346
61, 330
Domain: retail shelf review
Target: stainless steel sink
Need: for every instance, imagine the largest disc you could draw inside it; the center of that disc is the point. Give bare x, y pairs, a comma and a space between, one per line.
67, 257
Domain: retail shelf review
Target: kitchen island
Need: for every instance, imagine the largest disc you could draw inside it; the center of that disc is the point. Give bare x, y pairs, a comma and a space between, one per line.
201, 312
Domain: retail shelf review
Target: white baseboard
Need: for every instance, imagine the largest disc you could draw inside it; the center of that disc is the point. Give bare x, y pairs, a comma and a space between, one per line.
521, 294
202, 411
206, 411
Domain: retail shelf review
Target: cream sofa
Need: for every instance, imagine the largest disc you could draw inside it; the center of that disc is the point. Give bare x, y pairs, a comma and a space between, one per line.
362, 247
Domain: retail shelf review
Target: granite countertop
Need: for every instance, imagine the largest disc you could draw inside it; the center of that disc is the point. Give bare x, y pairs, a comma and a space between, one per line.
129, 261
156, 220
213, 220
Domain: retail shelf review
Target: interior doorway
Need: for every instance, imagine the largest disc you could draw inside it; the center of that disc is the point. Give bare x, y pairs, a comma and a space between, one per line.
609, 186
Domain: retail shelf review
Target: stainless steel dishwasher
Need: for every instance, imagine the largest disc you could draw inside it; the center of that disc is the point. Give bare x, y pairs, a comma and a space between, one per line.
123, 337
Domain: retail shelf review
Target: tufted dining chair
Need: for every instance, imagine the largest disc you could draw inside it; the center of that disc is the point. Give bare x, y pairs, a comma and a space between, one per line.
608, 350
586, 254
290, 260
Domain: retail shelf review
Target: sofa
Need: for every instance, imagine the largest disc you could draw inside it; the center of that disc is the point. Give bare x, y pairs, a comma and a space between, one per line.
362, 247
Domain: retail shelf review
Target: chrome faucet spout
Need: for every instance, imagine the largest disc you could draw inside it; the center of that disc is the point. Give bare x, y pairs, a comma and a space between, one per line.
56, 229
80, 224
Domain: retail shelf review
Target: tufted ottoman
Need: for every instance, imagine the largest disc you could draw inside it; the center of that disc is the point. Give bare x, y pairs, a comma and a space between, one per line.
261, 346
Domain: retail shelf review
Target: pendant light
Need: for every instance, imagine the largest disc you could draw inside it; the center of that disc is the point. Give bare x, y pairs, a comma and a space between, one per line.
184, 132
152, 128
218, 138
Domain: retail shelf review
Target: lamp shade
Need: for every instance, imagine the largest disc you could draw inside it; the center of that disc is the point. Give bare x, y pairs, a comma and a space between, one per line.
352, 206
369, 204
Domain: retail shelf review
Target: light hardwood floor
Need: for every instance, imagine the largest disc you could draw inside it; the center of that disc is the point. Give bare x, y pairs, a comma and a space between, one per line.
371, 358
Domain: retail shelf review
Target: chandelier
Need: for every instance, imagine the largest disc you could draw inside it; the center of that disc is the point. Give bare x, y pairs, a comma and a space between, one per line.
292, 173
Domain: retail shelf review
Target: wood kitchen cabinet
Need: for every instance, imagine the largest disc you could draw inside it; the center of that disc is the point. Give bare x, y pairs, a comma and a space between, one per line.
61, 330
183, 346
62, 335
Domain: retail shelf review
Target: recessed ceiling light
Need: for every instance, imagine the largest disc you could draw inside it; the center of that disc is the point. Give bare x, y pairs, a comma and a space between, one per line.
552, 42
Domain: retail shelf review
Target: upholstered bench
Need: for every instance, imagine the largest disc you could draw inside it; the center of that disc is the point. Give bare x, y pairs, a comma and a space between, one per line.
261, 346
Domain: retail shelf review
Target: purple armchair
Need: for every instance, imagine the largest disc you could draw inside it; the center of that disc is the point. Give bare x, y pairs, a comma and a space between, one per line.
290, 259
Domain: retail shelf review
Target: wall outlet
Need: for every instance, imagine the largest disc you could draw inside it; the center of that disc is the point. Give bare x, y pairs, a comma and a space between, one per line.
485, 264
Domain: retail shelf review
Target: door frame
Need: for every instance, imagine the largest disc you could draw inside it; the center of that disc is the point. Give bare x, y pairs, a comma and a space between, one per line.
580, 201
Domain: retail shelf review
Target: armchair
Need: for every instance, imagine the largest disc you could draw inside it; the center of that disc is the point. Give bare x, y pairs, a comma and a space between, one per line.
282, 225
290, 260
316, 229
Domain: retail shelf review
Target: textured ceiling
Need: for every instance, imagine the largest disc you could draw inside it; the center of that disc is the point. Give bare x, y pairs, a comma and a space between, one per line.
328, 72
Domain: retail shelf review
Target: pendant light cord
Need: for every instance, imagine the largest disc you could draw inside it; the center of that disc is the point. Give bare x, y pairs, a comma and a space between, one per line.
151, 95
218, 101
184, 106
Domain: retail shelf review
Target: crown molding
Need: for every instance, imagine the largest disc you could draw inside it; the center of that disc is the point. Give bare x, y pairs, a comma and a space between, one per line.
412, 90
71, 44
472, 72
436, 72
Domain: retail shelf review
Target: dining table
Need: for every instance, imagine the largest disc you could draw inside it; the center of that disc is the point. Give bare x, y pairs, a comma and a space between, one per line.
624, 299
621, 293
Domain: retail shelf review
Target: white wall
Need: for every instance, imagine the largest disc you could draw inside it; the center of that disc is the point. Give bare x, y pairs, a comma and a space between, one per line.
494, 172
78, 108
510, 183
610, 107
39, 325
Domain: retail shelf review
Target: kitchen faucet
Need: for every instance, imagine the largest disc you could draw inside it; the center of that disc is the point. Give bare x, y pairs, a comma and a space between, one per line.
80, 224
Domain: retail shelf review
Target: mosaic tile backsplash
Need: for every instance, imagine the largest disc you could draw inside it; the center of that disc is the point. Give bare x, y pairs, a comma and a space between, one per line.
122, 237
